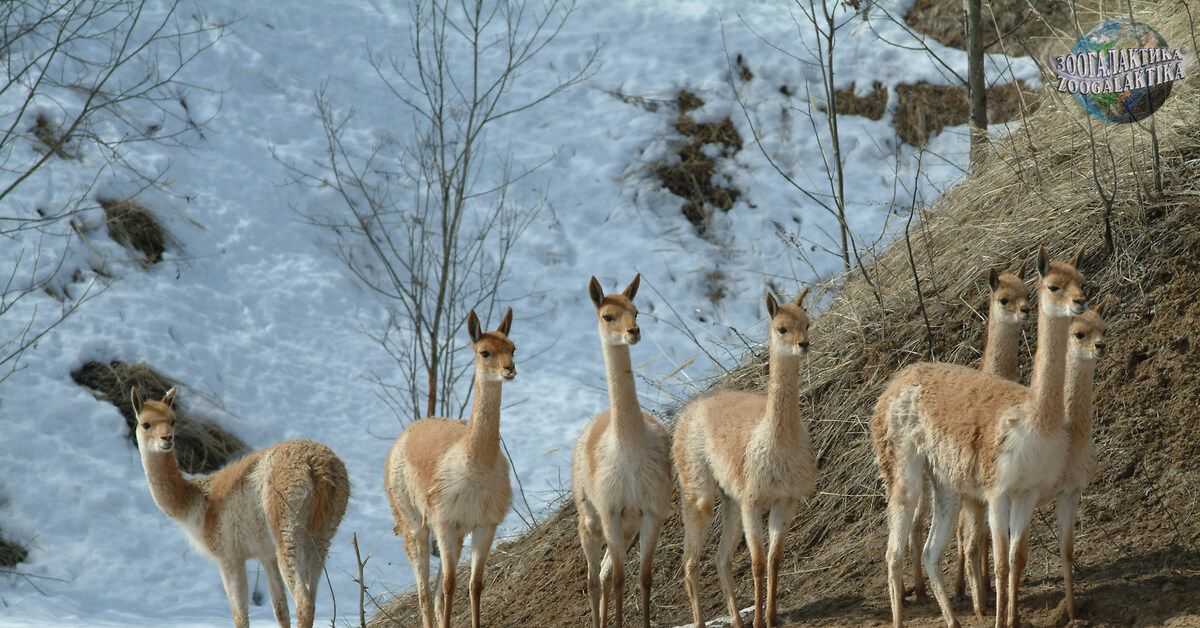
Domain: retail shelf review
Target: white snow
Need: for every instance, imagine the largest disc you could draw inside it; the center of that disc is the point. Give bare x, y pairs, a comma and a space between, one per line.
262, 324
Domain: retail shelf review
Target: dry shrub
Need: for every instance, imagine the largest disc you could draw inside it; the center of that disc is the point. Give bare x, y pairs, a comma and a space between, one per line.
871, 106
200, 445
134, 227
1138, 559
924, 109
692, 176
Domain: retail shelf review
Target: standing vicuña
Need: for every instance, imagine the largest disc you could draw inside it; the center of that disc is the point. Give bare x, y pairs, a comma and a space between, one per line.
754, 452
621, 471
281, 505
451, 476
1009, 307
981, 436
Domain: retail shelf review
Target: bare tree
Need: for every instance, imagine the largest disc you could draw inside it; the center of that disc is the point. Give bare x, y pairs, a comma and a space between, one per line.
86, 82
422, 220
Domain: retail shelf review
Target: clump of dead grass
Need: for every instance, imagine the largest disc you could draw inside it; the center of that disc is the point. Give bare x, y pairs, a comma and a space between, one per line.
689, 173
1034, 189
51, 138
131, 225
200, 445
871, 106
1007, 24
11, 553
924, 109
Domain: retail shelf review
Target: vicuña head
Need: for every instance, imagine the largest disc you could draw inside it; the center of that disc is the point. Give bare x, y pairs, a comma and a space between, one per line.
789, 325
156, 422
617, 313
1087, 334
1010, 296
1060, 293
493, 350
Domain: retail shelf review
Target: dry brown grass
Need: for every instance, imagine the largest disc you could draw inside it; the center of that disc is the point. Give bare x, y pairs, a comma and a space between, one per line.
50, 137
690, 173
133, 226
871, 106
200, 445
11, 553
1006, 23
925, 109
1139, 553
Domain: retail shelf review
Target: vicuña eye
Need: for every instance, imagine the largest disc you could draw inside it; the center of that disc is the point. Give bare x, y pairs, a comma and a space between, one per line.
1054, 288
1003, 301
608, 319
485, 354
783, 330
146, 426
1079, 335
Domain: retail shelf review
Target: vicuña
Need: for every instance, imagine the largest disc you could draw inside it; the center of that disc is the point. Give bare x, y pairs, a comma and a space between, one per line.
281, 505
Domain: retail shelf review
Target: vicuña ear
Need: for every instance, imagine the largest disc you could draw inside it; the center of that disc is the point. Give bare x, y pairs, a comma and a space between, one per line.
993, 279
135, 400
1043, 261
1102, 305
169, 398
633, 286
506, 324
772, 306
1021, 271
596, 292
803, 293
473, 327
1078, 259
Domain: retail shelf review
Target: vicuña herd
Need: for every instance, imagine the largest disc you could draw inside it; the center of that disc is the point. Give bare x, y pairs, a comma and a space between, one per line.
973, 446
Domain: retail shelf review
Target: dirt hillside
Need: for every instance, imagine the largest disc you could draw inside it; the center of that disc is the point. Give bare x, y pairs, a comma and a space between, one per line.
1138, 540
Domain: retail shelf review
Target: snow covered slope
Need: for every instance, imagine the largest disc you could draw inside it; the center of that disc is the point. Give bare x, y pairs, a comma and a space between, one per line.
253, 314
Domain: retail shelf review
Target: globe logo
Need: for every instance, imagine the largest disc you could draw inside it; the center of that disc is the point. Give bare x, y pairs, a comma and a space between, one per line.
1120, 71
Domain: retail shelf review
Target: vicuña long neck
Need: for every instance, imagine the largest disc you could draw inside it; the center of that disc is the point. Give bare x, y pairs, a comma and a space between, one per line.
483, 432
1000, 349
783, 393
1080, 376
174, 494
624, 410
1049, 368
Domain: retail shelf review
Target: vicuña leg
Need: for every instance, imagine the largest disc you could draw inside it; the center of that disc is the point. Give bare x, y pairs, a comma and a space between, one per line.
450, 544
233, 575
752, 523
697, 517
292, 556
1020, 516
592, 538
778, 522
731, 535
945, 515
1068, 507
916, 543
972, 556
648, 537
902, 510
278, 593
614, 538
416, 546
481, 546
998, 524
